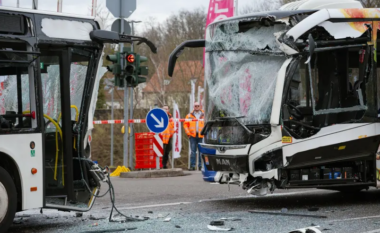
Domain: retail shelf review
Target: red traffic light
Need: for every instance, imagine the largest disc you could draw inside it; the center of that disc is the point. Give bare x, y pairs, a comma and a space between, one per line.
131, 58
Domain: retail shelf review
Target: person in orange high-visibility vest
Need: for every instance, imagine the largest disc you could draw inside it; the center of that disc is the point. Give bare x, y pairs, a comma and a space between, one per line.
193, 130
167, 138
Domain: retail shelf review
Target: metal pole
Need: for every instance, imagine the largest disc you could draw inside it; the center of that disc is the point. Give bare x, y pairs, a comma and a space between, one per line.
131, 135
131, 114
236, 13
18, 3
59, 7
175, 117
125, 152
113, 89
189, 161
94, 6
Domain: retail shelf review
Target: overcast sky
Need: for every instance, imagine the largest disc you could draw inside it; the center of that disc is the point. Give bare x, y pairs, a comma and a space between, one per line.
159, 9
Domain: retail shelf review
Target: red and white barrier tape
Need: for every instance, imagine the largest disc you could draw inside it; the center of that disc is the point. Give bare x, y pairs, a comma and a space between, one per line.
110, 122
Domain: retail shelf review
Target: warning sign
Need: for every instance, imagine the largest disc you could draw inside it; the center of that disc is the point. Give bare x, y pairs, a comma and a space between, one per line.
286, 139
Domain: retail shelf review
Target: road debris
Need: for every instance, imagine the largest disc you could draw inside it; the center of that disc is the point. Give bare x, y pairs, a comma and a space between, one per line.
217, 223
95, 224
150, 212
287, 214
167, 219
176, 226
313, 209
284, 210
18, 221
78, 215
215, 228
112, 230
307, 230
96, 218
162, 216
231, 219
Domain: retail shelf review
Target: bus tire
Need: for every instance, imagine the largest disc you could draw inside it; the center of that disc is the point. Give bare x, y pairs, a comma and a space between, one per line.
8, 200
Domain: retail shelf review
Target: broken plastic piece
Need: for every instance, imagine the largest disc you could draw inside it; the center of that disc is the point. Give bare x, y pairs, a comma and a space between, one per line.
286, 214
231, 219
313, 209
217, 223
78, 215
215, 228
307, 230
167, 219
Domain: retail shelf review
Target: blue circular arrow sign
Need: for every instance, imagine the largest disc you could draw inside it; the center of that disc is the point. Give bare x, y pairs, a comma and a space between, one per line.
157, 120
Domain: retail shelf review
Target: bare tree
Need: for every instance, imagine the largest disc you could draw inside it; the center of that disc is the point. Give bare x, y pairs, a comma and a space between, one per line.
104, 17
183, 26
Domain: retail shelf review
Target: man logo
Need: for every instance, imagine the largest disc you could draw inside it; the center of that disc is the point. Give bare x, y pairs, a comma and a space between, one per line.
223, 162
222, 149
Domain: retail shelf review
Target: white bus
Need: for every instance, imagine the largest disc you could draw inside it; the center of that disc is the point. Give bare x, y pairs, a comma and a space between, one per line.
292, 97
50, 67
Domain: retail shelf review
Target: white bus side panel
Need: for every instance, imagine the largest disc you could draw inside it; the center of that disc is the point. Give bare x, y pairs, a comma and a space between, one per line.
329, 136
18, 147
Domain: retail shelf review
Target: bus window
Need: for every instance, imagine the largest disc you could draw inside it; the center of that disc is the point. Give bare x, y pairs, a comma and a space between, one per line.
15, 99
80, 60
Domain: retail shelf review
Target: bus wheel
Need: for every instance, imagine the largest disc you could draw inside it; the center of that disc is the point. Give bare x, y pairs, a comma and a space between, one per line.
8, 200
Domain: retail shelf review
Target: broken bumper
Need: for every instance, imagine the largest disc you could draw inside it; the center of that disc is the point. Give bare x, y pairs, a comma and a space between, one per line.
228, 163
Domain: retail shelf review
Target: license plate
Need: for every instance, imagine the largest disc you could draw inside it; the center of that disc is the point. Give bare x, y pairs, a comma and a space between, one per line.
206, 160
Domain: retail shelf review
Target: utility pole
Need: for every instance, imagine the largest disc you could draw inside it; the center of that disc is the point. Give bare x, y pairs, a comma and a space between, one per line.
59, 5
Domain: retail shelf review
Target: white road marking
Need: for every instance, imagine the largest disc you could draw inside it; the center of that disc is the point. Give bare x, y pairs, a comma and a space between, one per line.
352, 219
374, 231
217, 199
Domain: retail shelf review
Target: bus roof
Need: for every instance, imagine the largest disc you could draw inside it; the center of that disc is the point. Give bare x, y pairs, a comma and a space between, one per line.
25, 10
276, 14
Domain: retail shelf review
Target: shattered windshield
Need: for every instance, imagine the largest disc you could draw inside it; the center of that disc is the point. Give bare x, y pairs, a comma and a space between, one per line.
242, 62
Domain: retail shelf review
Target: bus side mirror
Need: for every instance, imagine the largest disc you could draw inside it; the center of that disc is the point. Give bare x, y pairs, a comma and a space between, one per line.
103, 36
178, 51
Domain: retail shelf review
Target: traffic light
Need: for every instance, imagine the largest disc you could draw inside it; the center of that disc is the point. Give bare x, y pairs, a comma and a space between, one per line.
133, 69
115, 68
141, 70
130, 69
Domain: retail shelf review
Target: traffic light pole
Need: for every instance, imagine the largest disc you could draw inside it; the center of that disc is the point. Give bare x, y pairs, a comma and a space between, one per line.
132, 133
126, 105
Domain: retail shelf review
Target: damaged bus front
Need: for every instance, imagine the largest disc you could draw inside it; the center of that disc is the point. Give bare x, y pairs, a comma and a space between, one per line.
291, 99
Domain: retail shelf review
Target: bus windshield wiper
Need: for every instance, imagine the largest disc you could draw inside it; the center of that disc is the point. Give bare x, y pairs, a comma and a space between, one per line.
236, 119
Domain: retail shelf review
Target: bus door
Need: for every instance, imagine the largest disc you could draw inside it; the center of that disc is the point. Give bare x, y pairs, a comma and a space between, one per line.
64, 71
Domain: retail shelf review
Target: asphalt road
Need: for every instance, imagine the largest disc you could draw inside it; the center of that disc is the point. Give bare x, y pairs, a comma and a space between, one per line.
192, 204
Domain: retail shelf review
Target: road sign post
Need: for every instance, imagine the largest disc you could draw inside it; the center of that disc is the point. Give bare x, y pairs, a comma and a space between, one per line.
123, 9
157, 121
